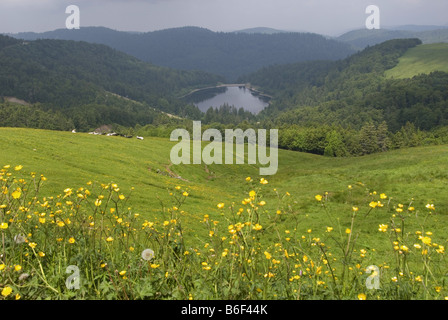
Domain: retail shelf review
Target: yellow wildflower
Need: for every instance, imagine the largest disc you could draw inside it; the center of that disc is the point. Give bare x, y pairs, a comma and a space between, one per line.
6, 291
16, 194
426, 240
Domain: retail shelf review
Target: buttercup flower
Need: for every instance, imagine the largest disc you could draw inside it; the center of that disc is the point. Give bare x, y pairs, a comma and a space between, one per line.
6, 291
16, 194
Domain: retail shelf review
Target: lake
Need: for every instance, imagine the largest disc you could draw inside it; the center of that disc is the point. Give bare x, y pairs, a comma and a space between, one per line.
239, 97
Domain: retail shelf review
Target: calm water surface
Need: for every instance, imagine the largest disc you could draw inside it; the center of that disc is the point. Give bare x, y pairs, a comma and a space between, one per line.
239, 97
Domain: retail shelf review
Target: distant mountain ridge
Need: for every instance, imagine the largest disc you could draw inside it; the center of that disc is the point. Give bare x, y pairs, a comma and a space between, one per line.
362, 38
227, 54
263, 30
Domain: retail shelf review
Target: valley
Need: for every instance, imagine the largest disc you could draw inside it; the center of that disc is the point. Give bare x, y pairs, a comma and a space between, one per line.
361, 165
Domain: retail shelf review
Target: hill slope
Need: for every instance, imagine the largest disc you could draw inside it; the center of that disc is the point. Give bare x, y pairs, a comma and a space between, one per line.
71, 160
345, 102
191, 48
67, 76
422, 59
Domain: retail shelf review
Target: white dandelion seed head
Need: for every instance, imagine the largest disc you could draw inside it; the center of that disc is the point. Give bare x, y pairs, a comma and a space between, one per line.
24, 276
147, 254
20, 238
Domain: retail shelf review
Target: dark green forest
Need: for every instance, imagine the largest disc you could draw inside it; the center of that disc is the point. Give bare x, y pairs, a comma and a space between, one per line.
90, 85
227, 54
348, 107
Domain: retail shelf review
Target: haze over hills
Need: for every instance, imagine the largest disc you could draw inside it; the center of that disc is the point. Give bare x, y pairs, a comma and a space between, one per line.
191, 48
234, 54
264, 30
362, 38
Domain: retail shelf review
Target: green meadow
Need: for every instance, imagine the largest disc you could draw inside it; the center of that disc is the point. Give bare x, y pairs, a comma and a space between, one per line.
422, 59
72, 160
269, 229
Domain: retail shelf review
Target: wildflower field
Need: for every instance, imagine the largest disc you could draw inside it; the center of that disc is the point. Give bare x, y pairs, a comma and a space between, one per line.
85, 217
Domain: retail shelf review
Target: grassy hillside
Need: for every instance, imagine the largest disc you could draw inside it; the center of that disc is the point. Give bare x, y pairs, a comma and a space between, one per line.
71, 160
422, 59
290, 238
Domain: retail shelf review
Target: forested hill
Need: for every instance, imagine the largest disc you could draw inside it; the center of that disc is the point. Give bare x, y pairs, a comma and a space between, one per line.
191, 48
66, 76
354, 91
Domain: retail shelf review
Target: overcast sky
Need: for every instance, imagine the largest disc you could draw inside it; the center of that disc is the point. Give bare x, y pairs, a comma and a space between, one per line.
330, 17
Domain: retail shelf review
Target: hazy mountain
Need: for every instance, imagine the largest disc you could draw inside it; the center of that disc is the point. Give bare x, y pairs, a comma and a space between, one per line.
191, 48
263, 30
362, 38
416, 28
